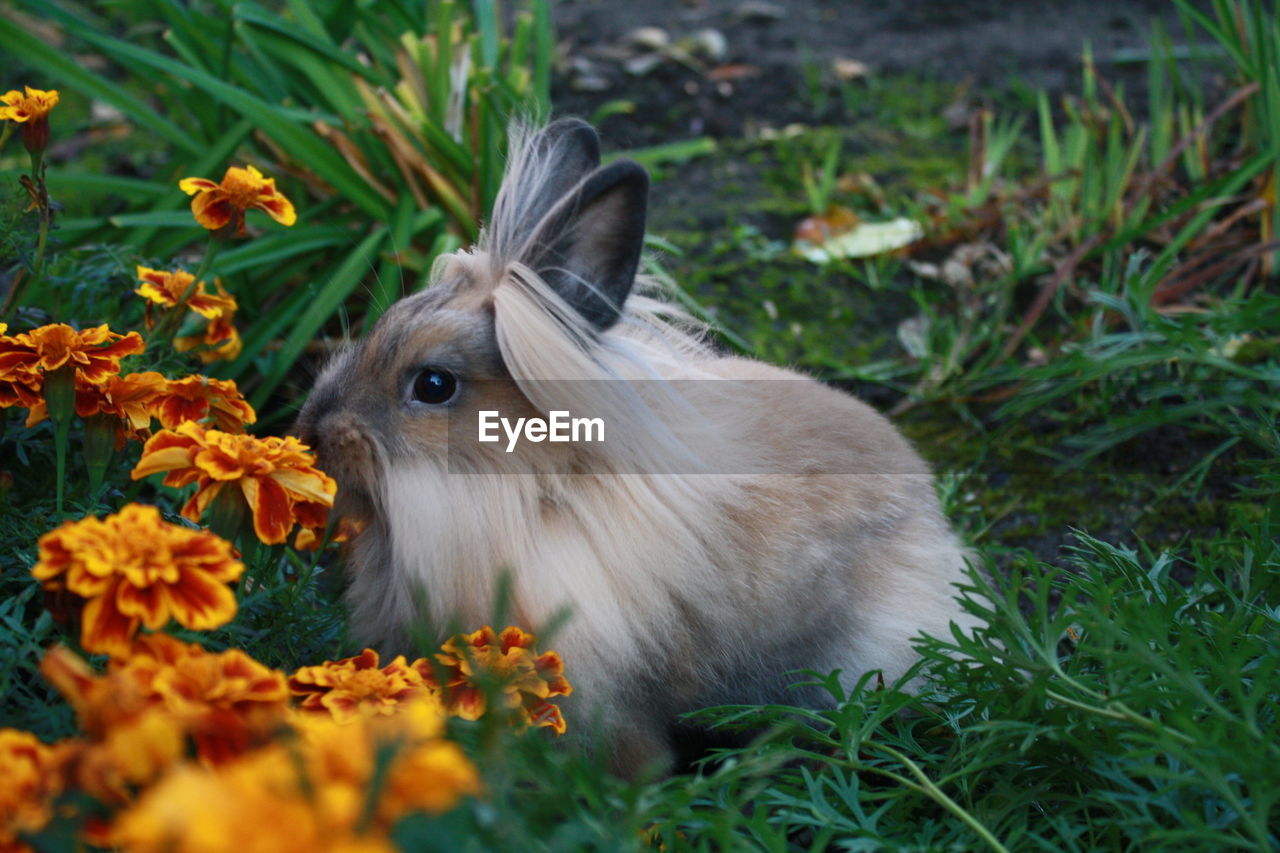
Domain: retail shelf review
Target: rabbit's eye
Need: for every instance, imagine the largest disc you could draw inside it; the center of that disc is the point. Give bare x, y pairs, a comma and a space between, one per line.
433, 385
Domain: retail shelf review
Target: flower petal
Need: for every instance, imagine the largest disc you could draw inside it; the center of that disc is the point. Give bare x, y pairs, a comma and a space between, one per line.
212, 210
104, 628
311, 485
272, 512
191, 186
200, 602
148, 604
161, 459
278, 208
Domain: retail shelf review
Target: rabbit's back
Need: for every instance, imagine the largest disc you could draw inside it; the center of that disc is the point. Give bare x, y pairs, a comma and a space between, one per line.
744, 522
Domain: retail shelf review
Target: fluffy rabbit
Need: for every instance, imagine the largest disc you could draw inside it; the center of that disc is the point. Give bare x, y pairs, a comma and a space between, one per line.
741, 521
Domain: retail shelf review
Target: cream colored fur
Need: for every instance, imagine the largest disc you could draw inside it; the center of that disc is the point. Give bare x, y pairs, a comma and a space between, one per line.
792, 527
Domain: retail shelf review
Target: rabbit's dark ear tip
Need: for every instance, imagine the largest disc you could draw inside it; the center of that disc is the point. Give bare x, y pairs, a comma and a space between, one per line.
567, 125
573, 133
626, 171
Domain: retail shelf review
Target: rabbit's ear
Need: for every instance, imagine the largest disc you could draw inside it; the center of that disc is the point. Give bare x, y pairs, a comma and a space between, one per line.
587, 247
568, 150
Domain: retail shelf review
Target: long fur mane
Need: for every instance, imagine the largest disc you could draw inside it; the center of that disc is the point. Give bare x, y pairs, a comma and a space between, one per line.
583, 537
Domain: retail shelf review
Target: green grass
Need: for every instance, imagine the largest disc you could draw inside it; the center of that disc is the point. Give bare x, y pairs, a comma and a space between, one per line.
1095, 375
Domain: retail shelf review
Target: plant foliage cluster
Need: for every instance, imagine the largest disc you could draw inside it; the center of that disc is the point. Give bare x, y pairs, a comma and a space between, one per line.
1095, 291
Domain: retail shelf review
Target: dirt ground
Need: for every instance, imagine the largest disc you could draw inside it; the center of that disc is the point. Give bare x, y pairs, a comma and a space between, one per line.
736, 69
766, 48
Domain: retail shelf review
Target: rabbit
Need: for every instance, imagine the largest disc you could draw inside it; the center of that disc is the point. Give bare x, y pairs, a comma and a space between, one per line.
739, 522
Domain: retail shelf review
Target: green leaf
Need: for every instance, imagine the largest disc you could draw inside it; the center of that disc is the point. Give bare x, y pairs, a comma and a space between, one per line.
262, 19
280, 246
299, 141
63, 183
156, 219
322, 305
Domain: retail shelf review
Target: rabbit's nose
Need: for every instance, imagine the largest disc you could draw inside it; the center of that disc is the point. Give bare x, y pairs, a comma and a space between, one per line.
307, 425
305, 431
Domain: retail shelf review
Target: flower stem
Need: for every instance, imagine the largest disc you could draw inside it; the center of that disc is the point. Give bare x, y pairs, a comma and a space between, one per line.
226, 512
35, 185
210, 252
41, 242
60, 398
166, 325
99, 445
37, 173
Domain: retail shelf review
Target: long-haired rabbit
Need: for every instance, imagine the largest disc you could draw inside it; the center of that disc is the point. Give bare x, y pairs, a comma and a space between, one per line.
739, 522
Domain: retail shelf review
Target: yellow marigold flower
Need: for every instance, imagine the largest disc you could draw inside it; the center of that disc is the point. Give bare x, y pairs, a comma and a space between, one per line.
197, 398
32, 777
259, 804
426, 774
348, 687
307, 795
527, 679
167, 699
277, 476
128, 739
134, 568
30, 109
217, 205
33, 105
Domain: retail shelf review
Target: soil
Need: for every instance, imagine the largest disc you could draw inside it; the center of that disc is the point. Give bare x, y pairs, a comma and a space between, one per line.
770, 64
982, 42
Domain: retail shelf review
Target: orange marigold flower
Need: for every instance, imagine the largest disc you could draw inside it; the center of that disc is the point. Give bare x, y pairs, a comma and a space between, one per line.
219, 342
264, 802
129, 397
227, 702
133, 397
311, 533
510, 660
94, 353
196, 398
426, 773
32, 777
26, 358
277, 476
20, 384
351, 686
168, 289
217, 205
134, 568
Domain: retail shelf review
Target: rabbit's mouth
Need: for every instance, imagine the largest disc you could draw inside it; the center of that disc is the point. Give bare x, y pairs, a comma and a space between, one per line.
354, 502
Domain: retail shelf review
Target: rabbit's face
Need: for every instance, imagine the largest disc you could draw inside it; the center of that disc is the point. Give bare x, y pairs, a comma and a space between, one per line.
553, 270
429, 366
